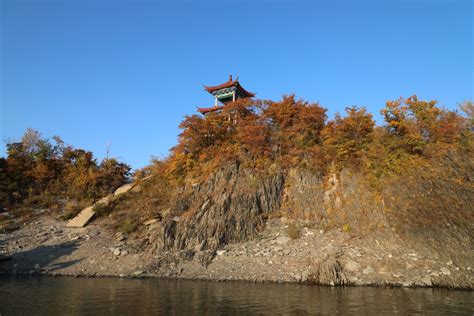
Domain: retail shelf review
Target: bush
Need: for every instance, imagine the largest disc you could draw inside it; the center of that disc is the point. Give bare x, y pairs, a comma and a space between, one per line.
128, 224
346, 228
72, 208
293, 231
101, 209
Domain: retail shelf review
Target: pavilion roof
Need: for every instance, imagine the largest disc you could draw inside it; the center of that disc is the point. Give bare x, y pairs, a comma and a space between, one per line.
211, 109
228, 84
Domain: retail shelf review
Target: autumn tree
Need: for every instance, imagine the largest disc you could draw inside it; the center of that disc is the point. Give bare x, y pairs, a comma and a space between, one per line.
416, 123
349, 136
39, 167
467, 107
294, 124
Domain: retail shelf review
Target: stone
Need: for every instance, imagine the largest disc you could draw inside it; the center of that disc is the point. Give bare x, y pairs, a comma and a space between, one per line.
220, 252
368, 270
150, 221
296, 276
94, 232
307, 232
445, 271
136, 273
304, 277
427, 280
37, 266
124, 253
282, 240
117, 251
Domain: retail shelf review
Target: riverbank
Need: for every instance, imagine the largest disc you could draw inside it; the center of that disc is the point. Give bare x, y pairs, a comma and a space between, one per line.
46, 246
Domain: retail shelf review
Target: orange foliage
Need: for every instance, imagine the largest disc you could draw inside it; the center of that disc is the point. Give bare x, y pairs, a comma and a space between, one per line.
419, 123
292, 132
349, 136
37, 167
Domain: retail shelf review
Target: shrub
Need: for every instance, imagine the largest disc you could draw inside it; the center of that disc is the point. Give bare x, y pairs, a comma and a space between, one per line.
101, 209
128, 224
293, 231
72, 208
346, 228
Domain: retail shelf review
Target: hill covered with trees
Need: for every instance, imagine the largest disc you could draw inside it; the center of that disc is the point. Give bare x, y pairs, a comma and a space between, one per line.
261, 136
399, 192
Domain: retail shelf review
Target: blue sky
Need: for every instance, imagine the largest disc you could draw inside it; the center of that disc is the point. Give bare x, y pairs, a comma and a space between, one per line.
122, 74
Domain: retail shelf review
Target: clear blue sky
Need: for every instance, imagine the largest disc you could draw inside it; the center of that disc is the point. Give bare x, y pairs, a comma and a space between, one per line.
125, 73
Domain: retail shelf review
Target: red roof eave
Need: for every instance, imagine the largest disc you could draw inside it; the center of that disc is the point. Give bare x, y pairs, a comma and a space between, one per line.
212, 109
211, 89
249, 94
228, 84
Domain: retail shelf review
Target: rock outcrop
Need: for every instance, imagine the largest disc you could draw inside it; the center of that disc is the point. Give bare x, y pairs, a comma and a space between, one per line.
231, 206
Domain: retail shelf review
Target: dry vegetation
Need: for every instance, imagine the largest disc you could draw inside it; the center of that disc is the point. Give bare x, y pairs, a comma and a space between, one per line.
39, 173
268, 138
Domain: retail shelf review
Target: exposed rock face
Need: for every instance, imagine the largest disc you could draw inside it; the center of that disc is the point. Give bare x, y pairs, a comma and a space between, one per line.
334, 200
231, 206
425, 213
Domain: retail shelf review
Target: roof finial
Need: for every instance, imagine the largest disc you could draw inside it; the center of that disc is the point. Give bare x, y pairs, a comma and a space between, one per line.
230, 78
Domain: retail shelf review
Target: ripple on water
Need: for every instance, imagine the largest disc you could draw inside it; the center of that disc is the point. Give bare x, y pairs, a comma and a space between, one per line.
62, 295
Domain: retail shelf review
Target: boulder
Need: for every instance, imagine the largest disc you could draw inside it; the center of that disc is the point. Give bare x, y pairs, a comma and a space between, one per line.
445, 271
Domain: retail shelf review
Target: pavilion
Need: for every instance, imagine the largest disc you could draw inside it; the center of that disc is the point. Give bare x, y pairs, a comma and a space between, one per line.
224, 93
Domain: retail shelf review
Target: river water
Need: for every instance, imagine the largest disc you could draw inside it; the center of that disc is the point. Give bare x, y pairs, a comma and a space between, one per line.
88, 296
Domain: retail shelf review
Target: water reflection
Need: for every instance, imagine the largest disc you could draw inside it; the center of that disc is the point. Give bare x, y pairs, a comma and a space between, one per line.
60, 296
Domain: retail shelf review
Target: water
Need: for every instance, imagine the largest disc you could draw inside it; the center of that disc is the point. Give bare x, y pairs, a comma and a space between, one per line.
73, 296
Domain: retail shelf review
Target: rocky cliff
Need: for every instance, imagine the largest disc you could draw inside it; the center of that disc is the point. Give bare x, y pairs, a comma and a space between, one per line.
428, 212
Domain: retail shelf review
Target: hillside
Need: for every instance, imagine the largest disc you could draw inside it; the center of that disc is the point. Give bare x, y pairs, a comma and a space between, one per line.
339, 201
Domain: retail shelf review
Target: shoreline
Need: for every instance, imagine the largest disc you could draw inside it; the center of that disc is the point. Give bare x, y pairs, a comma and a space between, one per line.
158, 277
333, 258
